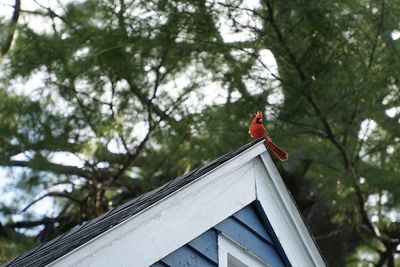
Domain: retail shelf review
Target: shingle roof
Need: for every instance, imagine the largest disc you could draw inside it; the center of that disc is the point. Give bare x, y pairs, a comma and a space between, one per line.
79, 235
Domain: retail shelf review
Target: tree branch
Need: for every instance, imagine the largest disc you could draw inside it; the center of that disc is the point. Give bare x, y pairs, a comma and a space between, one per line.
348, 165
143, 99
54, 194
328, 235
52, 14
130, 159
30, 224
378, 33
12, 27
281, 39
45, 165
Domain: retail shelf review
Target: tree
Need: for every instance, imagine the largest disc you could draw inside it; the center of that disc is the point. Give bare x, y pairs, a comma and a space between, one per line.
351, 38
122, 105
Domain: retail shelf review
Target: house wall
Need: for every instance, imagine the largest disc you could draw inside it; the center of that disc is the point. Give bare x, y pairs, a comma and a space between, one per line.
245, 227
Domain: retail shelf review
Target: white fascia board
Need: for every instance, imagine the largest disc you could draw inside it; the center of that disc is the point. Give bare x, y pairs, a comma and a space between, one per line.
284, 216
175, 220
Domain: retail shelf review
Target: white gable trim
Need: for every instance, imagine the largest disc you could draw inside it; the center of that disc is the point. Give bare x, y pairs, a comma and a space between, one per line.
152, 234
284, 216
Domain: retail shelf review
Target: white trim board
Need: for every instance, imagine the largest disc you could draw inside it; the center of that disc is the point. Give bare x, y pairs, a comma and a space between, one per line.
155, 232
284, 216
240, 255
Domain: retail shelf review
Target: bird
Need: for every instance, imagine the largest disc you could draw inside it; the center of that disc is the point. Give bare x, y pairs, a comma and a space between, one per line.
257, 130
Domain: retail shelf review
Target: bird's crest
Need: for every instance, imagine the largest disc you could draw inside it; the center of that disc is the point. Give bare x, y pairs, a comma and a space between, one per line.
259, 115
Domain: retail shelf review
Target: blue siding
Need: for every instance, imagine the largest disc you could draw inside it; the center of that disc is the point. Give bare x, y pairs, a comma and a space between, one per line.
244, 227
248, 217
159, 264
205, 245
244, 237
185, 257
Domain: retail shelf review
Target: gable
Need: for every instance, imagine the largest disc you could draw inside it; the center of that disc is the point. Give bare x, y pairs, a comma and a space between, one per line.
178, 218
200, 205
151, 227
78, 237
245, 228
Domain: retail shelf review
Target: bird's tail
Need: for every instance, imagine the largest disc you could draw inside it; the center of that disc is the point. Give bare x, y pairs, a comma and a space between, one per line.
279, 152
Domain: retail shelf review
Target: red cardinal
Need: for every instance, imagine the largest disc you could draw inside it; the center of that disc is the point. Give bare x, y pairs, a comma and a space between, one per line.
257, 130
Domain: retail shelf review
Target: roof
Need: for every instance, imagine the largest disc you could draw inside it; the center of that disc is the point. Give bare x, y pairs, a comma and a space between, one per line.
79, 235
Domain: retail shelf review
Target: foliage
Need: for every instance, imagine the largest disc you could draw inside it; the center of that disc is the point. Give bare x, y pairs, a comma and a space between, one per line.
119, 97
